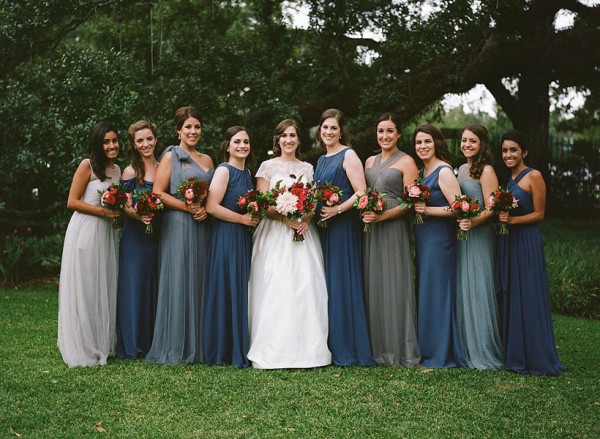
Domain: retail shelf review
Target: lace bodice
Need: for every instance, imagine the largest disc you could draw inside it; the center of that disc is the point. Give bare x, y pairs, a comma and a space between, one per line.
275, 170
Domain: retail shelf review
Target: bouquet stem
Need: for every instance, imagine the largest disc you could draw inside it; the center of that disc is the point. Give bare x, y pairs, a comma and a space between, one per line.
298, 237
503, 229
115, 223
462, 235
418, 218
367, 228
149, 229
322, 223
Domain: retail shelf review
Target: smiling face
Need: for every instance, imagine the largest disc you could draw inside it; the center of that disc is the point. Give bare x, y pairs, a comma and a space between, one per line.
110, 144
144, 142
330, 132
288, 141
512, 154
424, 146
387, 135
190, 132
470, 144
239, 146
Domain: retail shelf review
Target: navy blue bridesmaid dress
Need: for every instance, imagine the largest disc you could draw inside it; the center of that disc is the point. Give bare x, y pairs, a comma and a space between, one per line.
342, 253
226, 301
435, 241
522, 281
138, 282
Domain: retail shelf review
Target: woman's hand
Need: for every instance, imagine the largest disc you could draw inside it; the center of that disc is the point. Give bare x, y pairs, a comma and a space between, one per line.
200, 214
328, 212
464, 224
110, 213
250, 220
371, 217
301, 227
420, 207
504, 217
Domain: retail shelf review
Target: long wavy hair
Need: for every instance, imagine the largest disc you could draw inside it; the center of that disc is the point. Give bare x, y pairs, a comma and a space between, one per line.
229, 133
279, 130
439, 141
98, 158
484, 156
341, 120
134, 155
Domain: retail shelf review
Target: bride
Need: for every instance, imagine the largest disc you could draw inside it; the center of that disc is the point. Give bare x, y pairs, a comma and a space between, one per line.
287, 294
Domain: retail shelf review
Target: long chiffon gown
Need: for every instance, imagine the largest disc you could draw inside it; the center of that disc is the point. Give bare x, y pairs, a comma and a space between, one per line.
389, 288
87, 291
341, 242
287, 293
476, 305
522, 280
226, 303
438, 335
138, 282
182, 255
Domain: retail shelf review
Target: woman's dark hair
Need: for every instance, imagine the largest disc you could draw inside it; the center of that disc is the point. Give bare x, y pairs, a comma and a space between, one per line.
441, 148
517, 137
341, 120
134, 155
393, 117
229, 133
183, 113
98, 158
484, 156
279, 130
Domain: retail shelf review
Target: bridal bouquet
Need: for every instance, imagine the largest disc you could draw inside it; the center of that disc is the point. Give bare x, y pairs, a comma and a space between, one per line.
114, 198
371, 201
502, 200
193, 190
329, 195
294, 201
148, 203
465, 207
412, 193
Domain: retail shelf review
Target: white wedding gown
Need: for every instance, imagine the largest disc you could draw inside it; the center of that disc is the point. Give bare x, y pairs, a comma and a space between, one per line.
287, 293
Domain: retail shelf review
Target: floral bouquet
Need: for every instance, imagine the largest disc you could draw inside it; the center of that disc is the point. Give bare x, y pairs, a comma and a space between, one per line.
371, 201
294, 201
465, 207
255, 203
148, 203
412, 193
329, 195
193, 190
502, 200
114, 198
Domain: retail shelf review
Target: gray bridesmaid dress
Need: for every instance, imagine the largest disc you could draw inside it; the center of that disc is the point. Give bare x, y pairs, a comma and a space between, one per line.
476, 306
389, 288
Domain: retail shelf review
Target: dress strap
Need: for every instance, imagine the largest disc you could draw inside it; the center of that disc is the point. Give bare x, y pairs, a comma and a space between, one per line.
522, 174
379, 166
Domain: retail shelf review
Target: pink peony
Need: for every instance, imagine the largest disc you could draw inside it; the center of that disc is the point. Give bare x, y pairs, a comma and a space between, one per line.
414, 191
364, 201
334, 198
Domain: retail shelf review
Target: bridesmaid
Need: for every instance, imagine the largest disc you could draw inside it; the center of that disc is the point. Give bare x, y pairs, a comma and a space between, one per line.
528, 333
226, 303
436, 253
476, 308
138, 251
88, 277
341, 241
183, 248
389, 288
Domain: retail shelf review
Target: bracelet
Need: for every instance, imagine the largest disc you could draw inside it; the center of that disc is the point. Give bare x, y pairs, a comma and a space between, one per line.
339, 212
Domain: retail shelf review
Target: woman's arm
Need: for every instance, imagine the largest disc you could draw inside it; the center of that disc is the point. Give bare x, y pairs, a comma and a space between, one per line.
489, 184
450, 188
535, 185
218, 188
355, 173
78, 186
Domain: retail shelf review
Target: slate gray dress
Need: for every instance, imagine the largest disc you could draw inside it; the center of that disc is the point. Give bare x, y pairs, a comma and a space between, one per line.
182, 256
476, 306
389, 287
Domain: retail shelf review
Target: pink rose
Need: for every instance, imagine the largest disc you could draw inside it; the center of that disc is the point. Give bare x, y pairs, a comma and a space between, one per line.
464, 205
189, 194
364, 200
242, 201
334, 198
490, 202
252, 206
414, 191
380, 204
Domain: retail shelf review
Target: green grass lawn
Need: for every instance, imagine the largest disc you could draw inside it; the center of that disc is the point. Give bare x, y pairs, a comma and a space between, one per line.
41, 397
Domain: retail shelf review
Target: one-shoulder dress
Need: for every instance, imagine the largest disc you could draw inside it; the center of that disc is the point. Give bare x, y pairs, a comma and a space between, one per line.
522, 280
435, 241
182, 255
389, 286
341, 242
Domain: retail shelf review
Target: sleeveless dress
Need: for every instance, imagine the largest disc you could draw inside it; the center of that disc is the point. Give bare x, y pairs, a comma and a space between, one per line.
226, 303
138, 282
436, 283
476, 306
341, 242
182, 255
389, 288
87, 291
522, 280
287, 293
